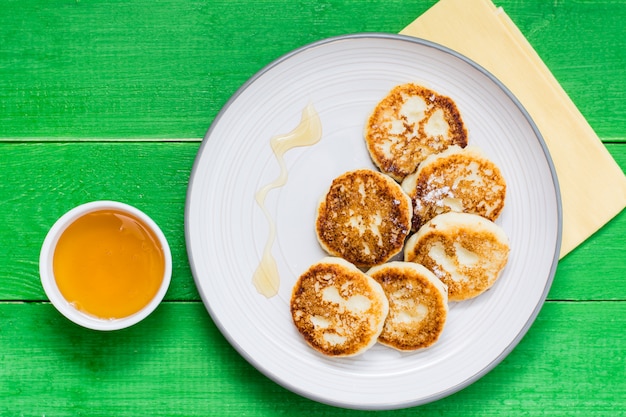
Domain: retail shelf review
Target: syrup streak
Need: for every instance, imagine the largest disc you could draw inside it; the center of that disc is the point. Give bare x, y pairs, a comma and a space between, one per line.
266, 278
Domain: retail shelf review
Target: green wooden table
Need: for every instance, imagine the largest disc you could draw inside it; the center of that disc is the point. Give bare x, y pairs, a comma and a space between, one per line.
110, 100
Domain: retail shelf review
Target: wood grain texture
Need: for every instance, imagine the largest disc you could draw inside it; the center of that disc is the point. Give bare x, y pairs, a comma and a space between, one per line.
83, 69
145, 69
109, 100
599, 261
584, 45
177, 363
153, 176
39, 182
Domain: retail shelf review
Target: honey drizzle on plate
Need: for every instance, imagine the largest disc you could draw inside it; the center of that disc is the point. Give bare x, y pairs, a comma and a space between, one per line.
266, 278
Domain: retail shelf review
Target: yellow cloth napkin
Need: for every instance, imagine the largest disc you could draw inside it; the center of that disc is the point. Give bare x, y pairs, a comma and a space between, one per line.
593, 187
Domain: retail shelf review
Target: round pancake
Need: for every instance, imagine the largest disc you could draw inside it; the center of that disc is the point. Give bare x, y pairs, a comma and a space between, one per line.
465, 251
418, 305
409, 124
457, 179
364, 218
338, 309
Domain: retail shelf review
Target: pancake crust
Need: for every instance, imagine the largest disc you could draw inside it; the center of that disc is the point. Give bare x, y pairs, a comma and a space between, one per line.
338, 309
465, 251
461, 180
418, 305
409, 124
364, 218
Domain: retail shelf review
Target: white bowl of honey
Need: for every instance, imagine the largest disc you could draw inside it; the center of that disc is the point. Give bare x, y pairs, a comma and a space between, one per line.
105, 265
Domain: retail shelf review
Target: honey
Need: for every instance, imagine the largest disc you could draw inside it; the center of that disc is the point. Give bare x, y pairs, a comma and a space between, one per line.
108, 264
307, 133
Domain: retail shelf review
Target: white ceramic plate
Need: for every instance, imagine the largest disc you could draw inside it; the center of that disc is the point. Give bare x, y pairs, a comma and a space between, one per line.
226, 231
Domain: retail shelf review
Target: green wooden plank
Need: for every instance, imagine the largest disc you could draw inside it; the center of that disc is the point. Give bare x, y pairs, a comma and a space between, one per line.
177, 363
584, 45
154, 176
40, 182
597, 262
145, 69
599, 258
153, 69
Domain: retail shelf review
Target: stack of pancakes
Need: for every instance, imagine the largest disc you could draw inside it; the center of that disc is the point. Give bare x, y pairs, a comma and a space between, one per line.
431, 183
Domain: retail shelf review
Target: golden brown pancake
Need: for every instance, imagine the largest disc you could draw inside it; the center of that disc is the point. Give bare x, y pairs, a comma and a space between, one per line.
409, 124
465, 251
457, 179
418, 305
338, 309
364, 218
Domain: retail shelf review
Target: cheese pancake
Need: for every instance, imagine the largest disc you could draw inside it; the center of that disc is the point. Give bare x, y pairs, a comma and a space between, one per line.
338, 309
465, 251
418, 305
364, 218
409, 124
457, 179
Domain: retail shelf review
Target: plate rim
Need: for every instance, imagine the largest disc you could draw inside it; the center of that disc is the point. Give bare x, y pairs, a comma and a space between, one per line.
424, 43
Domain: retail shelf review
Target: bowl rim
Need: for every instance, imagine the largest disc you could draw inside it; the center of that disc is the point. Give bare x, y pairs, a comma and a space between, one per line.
49, 284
